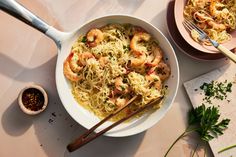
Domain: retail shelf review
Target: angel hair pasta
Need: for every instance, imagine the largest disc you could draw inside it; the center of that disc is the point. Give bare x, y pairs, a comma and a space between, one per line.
110, 65
216, 17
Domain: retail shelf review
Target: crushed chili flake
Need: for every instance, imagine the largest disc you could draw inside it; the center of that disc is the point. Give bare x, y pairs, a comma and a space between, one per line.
50, 121
33, 99
53, 114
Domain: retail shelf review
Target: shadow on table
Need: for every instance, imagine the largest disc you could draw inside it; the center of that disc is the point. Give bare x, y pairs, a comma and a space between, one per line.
56, 129
159, 21
108, 146
14, 121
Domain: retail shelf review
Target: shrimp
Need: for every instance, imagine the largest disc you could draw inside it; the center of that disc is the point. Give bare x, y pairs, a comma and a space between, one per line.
157, 57
103, 61
72, 76
202, 17
138, 61
201, 25
153, 78
200, 3
73, 61
120, 85
120, 102
141, 36
140, 56
163, 71
94, 37
71, 67
213, 8
83, 57
215, 25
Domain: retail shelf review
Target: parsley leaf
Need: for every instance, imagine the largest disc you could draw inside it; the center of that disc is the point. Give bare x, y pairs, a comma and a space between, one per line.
122, 87
205, 121
84, 39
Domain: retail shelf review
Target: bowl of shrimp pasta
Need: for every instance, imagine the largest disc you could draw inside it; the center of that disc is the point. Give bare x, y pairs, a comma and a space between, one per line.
111, 60
217, 18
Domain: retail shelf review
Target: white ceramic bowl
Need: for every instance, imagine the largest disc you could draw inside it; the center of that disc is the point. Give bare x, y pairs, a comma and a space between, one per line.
88, 119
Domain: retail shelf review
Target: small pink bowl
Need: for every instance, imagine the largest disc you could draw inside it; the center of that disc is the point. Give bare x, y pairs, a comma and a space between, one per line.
181, 43
179, 18
40, 91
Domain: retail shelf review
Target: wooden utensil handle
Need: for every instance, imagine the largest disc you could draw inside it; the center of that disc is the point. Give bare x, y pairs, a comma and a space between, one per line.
227, 53
81, 141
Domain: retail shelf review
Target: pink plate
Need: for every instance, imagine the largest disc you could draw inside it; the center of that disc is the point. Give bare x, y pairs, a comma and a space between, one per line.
179, 18
181, 43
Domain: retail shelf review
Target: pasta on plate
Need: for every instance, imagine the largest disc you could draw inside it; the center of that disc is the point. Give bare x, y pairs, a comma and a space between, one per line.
110, 65
216, 17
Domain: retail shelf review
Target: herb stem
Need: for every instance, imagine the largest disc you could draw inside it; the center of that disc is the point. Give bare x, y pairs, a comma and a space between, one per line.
187, 131
205, 150
195, 150
227, 148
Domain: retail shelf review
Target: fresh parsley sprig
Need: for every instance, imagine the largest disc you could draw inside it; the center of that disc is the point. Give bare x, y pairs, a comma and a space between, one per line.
205, 121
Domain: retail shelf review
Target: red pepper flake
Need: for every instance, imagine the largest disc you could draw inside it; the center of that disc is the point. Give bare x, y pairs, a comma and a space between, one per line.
33, 99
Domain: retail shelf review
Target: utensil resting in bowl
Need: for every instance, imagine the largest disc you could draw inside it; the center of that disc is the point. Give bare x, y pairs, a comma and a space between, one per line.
190, 26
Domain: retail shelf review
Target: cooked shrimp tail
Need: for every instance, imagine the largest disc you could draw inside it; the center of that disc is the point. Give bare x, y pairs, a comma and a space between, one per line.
94, 37
138, 37
157, 53
120, 85
72, 76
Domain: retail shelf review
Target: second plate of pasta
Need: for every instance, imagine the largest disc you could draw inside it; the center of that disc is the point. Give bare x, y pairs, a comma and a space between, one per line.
216, 18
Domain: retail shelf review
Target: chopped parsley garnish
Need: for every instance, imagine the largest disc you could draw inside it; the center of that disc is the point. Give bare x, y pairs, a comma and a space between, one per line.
84, 39
125, 80
126, 48
156, 79
216, 90
122, 87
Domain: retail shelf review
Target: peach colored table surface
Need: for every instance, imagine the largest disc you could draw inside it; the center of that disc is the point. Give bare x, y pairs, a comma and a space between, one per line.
26, 56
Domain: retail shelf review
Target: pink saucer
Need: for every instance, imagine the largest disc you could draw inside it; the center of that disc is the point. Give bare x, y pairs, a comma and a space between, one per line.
179, 18
181, 43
